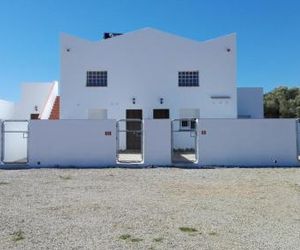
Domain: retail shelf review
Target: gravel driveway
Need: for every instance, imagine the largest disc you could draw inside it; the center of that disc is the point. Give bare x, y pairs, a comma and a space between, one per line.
150, 209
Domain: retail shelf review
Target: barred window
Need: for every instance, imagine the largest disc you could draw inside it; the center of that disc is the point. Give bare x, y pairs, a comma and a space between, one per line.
188, 78
96, 78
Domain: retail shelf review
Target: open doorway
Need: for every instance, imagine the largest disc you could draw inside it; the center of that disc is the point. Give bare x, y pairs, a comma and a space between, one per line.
130, 137
184, 140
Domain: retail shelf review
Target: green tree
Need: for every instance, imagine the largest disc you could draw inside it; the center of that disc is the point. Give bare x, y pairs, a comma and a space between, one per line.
282, 102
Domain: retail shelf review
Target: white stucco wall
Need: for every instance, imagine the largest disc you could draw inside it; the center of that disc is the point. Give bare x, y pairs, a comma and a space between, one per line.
144, 64
66, 143
49, 101
33, 94
248, 142
250, 102
157, 142
7, 110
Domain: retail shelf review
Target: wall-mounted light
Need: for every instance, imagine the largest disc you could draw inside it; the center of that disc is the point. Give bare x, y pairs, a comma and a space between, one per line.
133, 100
228, 49
161, 100
36, 108
68, 49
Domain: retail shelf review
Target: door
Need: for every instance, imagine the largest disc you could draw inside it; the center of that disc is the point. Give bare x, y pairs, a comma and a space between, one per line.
161, 114
133, 136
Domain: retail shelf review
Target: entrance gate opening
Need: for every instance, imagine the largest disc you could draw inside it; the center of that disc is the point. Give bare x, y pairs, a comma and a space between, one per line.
184, 140
130, 141
14, 142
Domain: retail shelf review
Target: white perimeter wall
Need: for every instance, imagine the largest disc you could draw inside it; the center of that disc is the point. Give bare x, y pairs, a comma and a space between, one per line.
6, 110
157, 142
248, 142
250, 103
66, 143
144, 64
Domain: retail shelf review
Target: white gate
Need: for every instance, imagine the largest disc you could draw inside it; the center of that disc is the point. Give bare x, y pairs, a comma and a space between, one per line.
184, 140
14, 143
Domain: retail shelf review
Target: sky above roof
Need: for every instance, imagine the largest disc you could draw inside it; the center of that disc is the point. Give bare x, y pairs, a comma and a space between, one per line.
268, 34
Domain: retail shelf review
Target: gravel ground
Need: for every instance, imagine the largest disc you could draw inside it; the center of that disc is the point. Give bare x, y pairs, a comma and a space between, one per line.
150, 209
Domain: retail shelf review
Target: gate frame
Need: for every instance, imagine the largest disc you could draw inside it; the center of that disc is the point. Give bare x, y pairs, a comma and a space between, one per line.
195, 130
3, 132
118, 131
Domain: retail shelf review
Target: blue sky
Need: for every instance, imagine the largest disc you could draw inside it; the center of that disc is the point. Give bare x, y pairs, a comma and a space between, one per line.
268, 33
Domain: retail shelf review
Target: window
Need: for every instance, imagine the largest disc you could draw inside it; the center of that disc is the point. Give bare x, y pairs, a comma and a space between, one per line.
96, 78
161, 114
188, 78
188, 124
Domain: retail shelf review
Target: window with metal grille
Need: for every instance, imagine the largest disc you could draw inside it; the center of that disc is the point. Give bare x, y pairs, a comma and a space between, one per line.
96, 78
188, 78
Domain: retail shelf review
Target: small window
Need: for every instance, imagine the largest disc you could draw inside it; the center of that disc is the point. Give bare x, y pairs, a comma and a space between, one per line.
193, 124
184, 123
161, 114
188, 124
96, 78
188, 78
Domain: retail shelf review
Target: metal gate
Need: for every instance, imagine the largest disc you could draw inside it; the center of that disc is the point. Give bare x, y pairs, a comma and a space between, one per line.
14, 142
130, 129
184, 140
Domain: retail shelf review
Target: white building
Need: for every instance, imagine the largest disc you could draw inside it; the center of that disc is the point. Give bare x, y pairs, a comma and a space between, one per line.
182, 93
157, 73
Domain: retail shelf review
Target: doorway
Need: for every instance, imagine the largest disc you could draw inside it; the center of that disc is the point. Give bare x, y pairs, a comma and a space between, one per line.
133, 126
161, 114
130, 137
184, 140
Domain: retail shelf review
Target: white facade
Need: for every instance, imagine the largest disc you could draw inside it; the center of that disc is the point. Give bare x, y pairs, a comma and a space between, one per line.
144, 65
250, 103
7, 110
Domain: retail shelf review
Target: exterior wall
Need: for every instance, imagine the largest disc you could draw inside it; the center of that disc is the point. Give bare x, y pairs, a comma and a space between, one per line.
33, 94
157, 142
81, 143
248, 142
49, 102
250, 103
144, 64
7, 110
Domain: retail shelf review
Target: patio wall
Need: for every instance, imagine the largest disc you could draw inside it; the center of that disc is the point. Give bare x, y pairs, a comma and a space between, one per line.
248, 142
68, 143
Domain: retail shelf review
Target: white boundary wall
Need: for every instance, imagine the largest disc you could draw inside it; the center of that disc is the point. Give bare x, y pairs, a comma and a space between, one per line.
68, 143
157, 142
250, 142
226, 142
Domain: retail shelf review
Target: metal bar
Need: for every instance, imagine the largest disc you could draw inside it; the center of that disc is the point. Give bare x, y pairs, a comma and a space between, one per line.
131, 131
16, 131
